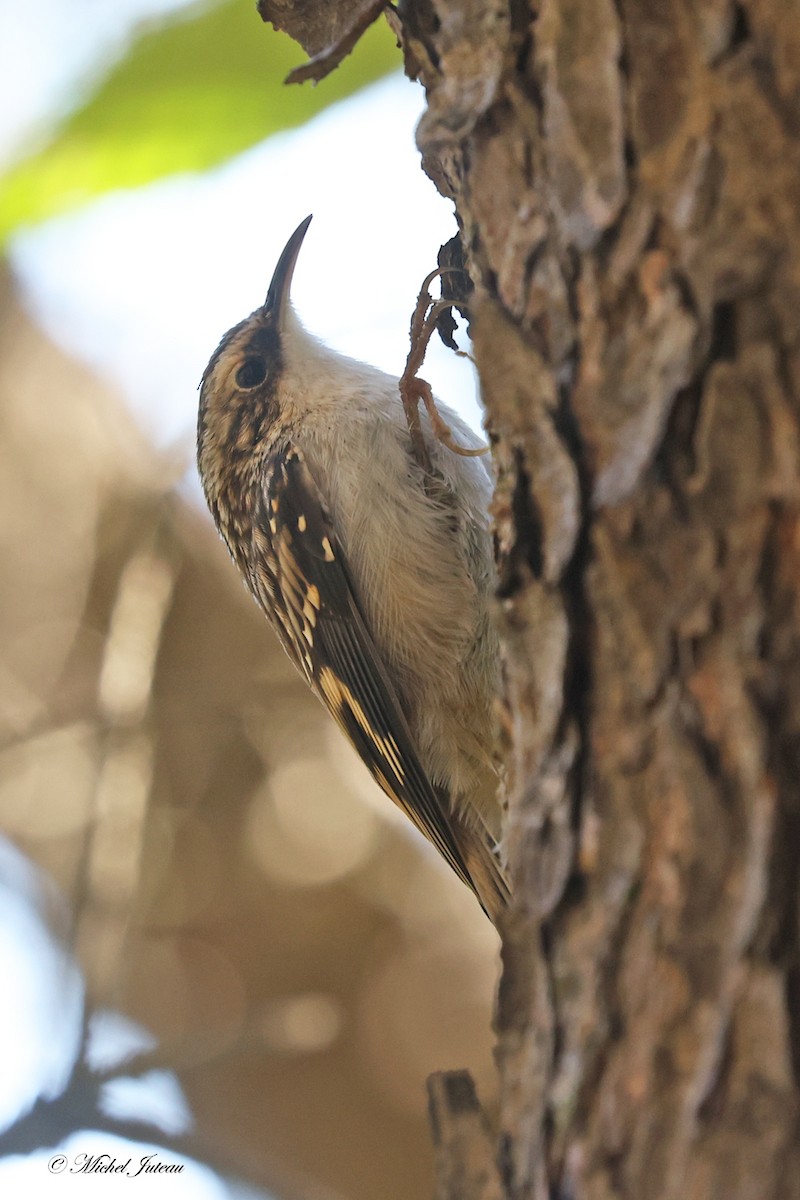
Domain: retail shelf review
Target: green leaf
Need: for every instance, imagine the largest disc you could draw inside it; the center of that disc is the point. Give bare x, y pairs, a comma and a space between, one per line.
189, 95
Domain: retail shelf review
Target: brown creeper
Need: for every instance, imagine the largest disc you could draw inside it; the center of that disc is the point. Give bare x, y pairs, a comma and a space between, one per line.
375, 575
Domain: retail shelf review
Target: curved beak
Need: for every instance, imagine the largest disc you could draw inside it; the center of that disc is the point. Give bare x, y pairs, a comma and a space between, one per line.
278, 294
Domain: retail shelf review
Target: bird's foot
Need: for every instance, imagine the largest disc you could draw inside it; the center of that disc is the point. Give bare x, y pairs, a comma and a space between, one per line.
413, 389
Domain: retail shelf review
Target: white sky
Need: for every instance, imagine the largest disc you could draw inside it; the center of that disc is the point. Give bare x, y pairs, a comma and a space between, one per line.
50, 53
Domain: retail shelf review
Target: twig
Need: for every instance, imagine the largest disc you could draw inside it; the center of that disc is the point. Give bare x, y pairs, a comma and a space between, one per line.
465, 1165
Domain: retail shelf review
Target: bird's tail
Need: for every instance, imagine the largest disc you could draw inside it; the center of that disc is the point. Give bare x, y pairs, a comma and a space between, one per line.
488, 879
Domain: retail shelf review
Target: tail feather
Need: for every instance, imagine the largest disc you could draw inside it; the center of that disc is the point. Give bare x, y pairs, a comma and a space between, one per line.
489, 882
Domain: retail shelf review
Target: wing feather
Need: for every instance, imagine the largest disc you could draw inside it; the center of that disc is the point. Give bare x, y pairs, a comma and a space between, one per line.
302, 578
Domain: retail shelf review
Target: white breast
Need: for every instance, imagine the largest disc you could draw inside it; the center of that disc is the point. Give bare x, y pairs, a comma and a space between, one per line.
422, 569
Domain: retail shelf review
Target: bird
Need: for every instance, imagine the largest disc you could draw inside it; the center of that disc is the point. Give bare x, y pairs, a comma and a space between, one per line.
376, 573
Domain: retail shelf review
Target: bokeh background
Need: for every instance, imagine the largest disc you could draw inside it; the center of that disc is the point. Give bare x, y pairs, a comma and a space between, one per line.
218, 942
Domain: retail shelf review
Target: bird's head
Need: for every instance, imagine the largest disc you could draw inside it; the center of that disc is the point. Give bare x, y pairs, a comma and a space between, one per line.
240, 388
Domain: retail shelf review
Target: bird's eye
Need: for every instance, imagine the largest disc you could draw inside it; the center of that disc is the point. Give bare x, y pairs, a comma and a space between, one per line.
251, 373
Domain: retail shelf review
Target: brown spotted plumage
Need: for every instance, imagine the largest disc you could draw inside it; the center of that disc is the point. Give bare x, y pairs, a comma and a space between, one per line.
376, 582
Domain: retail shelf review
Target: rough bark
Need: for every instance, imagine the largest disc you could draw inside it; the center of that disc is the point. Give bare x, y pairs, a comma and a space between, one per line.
626, 179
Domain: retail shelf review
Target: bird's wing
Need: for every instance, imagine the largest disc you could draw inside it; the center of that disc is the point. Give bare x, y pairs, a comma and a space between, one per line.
301, 576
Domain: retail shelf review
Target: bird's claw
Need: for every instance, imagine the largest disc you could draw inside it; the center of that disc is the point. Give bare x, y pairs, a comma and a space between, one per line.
413, 389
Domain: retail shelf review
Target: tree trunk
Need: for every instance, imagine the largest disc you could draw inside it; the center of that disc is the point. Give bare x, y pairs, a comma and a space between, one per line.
627, 182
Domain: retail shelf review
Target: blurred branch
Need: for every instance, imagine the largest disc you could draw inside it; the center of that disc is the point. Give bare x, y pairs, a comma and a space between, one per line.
112, 863
80, 1107
465, 1166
